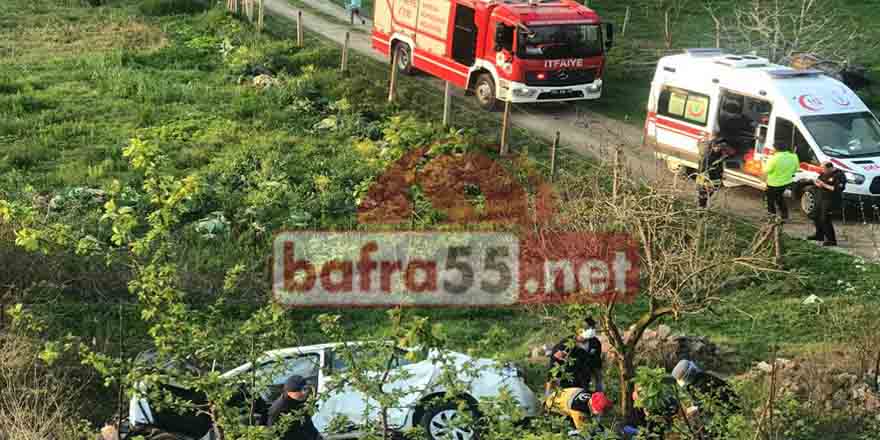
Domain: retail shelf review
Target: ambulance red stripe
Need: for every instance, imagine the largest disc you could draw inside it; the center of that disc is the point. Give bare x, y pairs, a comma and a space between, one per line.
676, 126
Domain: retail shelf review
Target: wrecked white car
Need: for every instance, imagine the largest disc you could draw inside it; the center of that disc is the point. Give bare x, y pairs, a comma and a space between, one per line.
418, 383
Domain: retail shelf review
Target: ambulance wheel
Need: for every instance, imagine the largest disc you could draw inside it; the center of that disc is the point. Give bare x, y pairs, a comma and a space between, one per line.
484, 89
809, 199
404, 58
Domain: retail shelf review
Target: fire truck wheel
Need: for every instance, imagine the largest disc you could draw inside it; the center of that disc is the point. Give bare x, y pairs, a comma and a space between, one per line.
484, 89
404, 58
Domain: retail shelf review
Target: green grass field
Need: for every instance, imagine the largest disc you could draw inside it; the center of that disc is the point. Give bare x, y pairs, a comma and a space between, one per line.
77, 83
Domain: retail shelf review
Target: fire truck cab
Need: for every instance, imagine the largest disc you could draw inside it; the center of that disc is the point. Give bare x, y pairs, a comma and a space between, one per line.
755, 105
511, 50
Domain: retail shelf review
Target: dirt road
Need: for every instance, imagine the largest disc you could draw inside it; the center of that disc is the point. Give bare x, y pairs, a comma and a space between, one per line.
590, 134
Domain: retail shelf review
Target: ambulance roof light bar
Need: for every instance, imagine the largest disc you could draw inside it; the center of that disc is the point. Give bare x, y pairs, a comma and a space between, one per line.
704, 52
792, 73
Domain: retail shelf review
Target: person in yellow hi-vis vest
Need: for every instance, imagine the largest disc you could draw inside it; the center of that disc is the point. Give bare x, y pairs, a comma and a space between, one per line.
578, 404
780, 170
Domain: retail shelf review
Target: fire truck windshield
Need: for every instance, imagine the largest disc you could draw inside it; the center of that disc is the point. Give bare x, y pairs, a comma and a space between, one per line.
560, 41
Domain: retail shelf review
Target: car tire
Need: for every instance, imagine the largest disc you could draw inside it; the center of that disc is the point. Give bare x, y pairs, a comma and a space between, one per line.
165, 436
484, 90
438, 422
809, 196
404, 58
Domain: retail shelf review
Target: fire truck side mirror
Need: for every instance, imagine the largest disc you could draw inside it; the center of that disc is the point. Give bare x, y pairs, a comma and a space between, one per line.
609, 36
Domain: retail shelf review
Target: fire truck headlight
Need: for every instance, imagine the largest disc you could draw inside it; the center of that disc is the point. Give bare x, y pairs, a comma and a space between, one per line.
524, 92
854, 178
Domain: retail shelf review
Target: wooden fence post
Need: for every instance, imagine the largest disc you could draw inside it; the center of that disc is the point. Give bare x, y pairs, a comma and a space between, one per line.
505, 128
260, 13
553, 158
447, 104
777, 242
392, 89
615, 189
299, 29
344, 64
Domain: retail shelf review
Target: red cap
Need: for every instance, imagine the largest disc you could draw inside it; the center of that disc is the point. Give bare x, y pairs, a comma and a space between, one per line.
599, 403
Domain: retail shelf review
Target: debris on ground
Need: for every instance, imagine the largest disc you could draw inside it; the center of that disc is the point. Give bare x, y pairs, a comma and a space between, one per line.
822, 382
258, 76
265, 81
81, 195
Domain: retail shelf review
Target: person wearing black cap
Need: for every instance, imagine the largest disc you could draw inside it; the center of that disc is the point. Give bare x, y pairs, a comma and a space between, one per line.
293, 401
831, 184
713, 397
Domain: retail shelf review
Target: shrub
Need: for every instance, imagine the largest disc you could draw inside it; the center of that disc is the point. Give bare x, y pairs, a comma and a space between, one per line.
158, 8
34, 402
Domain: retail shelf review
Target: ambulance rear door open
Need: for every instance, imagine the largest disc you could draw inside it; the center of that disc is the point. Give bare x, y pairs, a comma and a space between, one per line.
746, 168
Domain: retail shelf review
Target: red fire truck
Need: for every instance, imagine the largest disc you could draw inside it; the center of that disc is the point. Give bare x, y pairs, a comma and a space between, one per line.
510, 50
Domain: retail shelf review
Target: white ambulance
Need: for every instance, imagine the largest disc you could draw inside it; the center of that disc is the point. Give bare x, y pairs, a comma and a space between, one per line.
705, 93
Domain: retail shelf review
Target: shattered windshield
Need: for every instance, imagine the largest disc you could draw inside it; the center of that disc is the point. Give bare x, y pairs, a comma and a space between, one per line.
560, 41
845, 135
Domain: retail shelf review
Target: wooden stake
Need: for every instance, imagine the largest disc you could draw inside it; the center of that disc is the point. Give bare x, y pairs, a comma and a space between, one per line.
625, 21
553, 157
344, 65
299, 29
717, 33
447, 104
616, 184
777, 242
505, 128
260, 13
392, 89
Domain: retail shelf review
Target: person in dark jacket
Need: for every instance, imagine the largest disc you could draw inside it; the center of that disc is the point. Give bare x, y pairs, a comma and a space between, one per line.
714, 399
735, 126
831, 184
653, 421
576, 362
293, 401
711, 171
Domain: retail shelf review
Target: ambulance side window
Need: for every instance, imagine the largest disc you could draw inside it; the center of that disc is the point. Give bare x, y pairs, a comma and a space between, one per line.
789, 135
683, 105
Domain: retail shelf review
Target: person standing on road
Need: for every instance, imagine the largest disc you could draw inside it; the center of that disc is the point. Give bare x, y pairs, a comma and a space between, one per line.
831, 184
780, 170
354, 7
293, 401
711, 172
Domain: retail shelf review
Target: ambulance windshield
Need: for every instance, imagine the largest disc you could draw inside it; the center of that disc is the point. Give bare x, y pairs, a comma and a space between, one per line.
560, 41
845, 135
